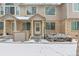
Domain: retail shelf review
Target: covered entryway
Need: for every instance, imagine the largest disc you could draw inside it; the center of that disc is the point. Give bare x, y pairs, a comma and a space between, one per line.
37, 25
7, 27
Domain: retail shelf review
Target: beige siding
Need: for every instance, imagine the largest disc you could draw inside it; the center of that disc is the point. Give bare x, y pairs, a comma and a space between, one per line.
70, 12
59, 27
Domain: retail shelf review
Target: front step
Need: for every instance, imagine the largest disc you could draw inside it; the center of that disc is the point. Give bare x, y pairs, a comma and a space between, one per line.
37, 37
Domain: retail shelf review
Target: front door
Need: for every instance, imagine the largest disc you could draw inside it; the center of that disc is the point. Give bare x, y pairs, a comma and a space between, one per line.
37, 28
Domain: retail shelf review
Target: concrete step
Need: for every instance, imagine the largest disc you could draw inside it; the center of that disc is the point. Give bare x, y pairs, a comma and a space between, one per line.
37, 37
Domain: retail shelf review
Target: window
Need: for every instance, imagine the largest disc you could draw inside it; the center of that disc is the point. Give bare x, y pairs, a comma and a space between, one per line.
76, 7
50, 26
75, 25
31, 11
1, 11
26, 26
10, 10
9, 3
1, 25
50, 10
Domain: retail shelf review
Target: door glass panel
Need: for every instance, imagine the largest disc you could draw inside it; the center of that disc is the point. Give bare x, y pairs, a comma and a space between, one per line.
37, 26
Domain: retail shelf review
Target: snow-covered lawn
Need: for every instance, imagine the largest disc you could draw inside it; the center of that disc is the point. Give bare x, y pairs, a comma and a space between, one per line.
34, 49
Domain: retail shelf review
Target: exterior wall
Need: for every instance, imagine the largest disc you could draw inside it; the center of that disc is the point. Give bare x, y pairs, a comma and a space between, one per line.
72, 33
63, 11
19, 25
59, 27
70, 12
41, 10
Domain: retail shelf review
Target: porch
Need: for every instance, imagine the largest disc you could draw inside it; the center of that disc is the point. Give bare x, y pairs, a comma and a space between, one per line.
32, 26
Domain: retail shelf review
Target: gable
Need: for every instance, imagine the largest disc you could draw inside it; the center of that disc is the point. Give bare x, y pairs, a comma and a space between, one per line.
37, 17
8, 17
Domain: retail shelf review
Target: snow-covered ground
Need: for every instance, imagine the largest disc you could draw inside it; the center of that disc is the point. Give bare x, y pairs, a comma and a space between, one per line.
33, 49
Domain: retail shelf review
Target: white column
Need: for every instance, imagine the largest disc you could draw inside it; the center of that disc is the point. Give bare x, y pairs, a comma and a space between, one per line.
4, 28
32, 28
43, 28
15, 26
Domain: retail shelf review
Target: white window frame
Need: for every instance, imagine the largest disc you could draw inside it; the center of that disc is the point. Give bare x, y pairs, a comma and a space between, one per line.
19, 10
73, 8
50, 6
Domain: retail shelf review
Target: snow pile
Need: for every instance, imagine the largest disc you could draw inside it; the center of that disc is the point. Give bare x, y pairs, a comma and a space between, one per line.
59, 49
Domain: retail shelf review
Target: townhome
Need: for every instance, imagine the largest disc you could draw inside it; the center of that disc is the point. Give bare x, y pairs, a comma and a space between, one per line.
39, 19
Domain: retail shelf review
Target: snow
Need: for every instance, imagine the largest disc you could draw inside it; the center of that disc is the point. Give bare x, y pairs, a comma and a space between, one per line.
41, 41
22, 17
31, 48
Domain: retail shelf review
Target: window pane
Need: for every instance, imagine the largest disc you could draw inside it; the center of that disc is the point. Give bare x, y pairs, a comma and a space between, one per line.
7, 10
50, 11
1, 11
74, 25
50, 26
77, 25
37, 29
12, 10
53, 26
26, 26
9, 3
1, 25
76, 6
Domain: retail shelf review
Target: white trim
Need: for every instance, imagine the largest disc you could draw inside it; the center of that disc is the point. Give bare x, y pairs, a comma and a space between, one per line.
19, 10
50, 6
4, 28
73, 10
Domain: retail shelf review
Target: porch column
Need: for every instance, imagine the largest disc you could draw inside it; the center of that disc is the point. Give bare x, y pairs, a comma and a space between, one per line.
15, 26
4, 28
43, 28
32, 28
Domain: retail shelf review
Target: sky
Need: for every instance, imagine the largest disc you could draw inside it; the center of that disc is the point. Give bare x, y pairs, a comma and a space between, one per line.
39, 1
